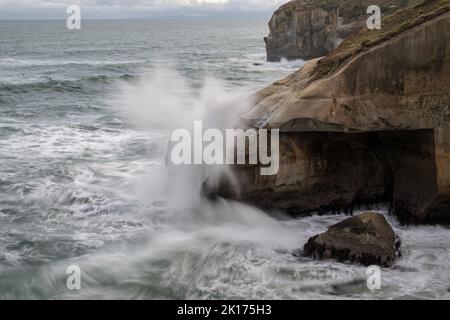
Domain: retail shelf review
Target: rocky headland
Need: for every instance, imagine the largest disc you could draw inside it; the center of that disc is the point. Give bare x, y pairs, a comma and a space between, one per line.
368, 123
306, 29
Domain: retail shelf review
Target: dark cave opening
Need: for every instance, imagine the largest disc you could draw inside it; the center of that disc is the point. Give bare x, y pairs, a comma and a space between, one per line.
338, 172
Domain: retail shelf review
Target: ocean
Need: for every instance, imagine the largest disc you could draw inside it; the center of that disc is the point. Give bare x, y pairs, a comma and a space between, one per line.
84, 122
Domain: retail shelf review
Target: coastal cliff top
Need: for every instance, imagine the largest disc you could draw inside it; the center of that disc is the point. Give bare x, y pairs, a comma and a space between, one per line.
348, 9
392, 25
396, 78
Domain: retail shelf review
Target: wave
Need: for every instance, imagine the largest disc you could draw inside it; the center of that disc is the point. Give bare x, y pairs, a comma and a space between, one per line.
99, 198
37, 62
77, 85
258, 61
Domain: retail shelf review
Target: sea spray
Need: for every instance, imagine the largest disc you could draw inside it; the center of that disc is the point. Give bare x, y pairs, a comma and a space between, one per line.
80, 181
163, 100
168, 242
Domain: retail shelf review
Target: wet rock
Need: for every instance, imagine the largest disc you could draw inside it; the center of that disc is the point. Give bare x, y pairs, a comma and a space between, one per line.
367, 239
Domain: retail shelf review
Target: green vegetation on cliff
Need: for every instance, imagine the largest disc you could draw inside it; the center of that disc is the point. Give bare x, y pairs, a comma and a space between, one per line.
392, 26
350, 10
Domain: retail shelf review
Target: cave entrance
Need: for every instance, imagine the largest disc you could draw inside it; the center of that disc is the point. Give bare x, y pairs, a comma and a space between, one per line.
335, 171
412, 158
363, 168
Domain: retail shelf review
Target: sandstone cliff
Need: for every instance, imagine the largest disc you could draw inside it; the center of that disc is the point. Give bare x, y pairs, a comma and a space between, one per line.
369, 123
312, 28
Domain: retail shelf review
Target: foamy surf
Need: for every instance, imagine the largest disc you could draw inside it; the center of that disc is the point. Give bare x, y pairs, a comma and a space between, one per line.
83, 179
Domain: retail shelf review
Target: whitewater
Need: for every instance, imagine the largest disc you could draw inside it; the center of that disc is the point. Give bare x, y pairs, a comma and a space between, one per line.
84, 126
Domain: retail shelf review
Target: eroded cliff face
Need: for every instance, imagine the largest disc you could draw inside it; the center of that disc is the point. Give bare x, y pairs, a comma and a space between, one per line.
369, 123
323, 171
301, 31
306, 29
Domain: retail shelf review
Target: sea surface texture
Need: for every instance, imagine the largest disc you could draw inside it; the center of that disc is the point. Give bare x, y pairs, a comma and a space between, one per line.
85, 117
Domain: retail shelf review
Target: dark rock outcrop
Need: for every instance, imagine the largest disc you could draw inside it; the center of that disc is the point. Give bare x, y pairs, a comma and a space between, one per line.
319, 171
309, 29
299, 30
367, 239
368, 123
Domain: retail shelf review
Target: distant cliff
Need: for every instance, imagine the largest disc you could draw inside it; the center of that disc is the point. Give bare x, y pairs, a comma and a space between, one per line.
312, 28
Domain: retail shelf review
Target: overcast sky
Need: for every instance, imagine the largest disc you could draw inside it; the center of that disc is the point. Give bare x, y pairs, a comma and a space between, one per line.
111, 9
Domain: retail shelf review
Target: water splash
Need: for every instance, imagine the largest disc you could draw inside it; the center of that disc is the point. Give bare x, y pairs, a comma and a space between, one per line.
167, 241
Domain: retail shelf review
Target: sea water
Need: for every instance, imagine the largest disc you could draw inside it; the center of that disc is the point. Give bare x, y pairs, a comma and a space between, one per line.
85, 117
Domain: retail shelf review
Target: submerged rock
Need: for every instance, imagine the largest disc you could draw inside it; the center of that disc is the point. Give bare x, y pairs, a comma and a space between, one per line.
367, 239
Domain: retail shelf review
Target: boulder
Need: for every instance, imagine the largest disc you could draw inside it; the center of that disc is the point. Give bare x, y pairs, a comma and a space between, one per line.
367, 239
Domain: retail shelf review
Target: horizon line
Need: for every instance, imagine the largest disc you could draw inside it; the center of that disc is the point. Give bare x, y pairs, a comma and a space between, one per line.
139, 18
